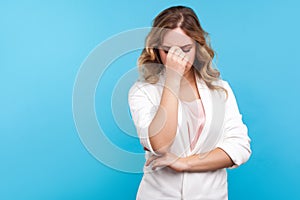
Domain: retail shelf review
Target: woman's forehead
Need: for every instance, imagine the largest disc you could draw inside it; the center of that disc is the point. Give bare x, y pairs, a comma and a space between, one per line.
176, 37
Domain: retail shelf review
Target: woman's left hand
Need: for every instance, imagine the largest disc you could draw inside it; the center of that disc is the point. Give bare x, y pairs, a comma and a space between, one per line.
168, 160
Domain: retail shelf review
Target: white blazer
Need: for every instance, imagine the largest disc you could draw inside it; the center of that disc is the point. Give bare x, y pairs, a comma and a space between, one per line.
223, 128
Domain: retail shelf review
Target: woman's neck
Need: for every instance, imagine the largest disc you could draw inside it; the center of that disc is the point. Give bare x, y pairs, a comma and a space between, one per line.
188, 78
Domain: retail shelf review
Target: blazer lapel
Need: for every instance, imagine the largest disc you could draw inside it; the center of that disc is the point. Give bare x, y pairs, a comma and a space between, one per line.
214, 107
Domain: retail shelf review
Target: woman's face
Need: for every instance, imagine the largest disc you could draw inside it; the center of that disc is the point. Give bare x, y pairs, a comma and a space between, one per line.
177, 37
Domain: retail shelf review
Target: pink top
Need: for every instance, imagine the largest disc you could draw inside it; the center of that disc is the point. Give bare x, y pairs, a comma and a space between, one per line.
195, 119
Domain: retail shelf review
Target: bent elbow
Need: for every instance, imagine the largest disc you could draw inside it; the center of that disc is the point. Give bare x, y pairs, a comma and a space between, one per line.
238, 152
160, 147
245, 155
161, 140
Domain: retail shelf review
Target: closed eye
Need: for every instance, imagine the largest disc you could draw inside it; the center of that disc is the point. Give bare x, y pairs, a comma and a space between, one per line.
186, 50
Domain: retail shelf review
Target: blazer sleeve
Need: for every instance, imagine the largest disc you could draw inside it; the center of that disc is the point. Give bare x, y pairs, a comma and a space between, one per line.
142, 111
235, 140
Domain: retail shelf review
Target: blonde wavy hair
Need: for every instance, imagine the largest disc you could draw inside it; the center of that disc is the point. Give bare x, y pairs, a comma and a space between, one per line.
149, 62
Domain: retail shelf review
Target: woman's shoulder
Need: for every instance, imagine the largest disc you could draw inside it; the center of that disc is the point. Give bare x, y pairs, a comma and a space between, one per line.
222, 87
221, 82
143, 87
141, 83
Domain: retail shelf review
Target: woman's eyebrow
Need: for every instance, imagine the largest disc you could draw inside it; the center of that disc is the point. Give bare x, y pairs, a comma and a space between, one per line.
187, 45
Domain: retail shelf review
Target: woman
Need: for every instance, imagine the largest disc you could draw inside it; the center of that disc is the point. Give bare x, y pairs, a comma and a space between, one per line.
186, 116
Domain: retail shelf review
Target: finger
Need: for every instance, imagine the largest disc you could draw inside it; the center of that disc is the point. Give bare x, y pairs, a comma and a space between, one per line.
181, 55
150, 160
181, 59
174, 50
159, 163
171, 50
178, 52
184, 59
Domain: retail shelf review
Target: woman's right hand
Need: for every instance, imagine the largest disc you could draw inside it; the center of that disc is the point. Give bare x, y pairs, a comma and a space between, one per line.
176, 62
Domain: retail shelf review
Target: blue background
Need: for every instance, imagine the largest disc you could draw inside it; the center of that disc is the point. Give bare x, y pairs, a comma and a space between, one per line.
43, 44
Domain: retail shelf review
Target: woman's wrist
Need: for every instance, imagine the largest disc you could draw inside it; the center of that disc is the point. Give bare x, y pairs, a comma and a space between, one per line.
173, 74
173, 84
187, 163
